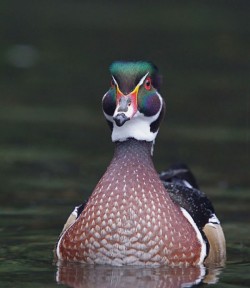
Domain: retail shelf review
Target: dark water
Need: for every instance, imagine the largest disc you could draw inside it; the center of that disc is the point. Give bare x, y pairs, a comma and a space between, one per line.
55, 144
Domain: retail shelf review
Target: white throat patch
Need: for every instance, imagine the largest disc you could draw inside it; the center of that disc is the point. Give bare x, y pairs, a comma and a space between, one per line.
138, 127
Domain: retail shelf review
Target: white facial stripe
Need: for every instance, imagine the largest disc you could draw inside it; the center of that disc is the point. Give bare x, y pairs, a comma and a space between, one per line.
114, 80
129, 113
142, 79
104, 95
140, 82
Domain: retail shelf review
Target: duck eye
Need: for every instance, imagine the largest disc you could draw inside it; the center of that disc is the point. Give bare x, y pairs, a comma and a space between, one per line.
112, 83
148, 83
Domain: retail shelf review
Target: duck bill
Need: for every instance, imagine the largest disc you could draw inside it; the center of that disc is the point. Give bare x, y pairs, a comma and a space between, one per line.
126, 106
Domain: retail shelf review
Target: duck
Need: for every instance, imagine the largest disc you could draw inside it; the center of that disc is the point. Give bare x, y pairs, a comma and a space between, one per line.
136, 216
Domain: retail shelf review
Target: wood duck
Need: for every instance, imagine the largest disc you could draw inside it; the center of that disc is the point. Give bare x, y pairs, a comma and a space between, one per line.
136, 216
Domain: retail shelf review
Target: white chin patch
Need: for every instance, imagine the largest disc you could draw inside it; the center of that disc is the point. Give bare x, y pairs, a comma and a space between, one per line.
138, 127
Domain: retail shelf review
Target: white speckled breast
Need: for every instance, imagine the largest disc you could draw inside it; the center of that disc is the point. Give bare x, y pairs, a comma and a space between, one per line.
129, 218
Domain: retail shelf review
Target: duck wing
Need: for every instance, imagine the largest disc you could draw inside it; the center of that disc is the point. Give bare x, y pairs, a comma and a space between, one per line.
182, 188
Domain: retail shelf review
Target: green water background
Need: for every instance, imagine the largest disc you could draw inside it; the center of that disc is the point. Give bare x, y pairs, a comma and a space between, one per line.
55, 144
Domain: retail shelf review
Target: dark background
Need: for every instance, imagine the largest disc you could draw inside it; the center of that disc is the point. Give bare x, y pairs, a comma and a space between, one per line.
54, 59
54, 141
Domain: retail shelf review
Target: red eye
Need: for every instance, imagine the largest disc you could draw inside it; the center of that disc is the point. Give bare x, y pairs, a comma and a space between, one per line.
148, 83
112, 83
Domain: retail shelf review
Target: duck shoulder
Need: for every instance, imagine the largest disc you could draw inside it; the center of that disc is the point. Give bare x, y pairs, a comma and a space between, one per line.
196, 203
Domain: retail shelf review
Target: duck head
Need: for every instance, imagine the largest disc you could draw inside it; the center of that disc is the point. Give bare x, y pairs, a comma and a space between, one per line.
133, 106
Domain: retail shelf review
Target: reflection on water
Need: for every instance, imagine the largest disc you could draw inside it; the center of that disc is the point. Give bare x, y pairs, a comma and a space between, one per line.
54, 146
80, 275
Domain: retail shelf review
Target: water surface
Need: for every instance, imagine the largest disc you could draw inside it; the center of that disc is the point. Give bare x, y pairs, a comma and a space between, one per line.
55, 144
